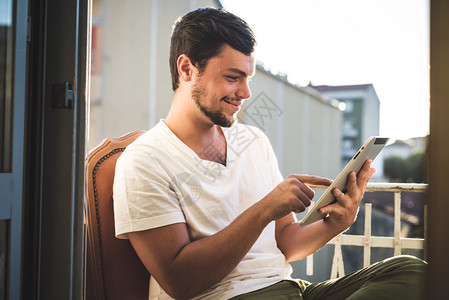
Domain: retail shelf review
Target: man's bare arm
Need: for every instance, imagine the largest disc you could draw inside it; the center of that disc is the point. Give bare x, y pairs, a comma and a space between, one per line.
184, 268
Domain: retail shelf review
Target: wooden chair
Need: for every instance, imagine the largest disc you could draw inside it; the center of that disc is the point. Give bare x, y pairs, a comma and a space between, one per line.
113, 269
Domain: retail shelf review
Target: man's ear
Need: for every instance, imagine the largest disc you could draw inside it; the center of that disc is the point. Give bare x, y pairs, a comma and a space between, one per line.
185, 68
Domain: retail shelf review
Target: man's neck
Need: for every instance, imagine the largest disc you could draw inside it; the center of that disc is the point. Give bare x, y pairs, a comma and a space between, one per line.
203, 137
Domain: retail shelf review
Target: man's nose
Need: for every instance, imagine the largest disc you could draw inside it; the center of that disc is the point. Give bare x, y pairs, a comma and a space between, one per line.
244, 91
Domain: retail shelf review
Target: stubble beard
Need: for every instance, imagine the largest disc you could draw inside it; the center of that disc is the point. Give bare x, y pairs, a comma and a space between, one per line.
216, 117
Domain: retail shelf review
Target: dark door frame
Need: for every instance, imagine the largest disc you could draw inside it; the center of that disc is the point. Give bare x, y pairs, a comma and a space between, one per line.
57, 85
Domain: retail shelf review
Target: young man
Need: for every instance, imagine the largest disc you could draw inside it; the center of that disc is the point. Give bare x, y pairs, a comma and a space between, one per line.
214, 221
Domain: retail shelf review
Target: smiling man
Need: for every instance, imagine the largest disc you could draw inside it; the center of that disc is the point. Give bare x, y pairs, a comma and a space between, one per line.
227, 73
214, 219
217, 91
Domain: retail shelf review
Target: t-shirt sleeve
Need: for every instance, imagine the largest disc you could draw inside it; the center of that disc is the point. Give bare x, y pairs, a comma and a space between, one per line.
143, 195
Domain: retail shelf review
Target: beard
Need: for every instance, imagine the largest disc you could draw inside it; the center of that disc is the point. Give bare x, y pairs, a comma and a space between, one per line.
217, 117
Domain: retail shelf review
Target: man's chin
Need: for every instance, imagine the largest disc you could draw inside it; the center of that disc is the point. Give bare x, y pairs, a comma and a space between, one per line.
229, 123
220, 119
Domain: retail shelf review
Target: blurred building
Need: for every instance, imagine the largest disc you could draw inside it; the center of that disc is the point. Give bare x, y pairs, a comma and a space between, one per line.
361, 118
406, 160
404, 148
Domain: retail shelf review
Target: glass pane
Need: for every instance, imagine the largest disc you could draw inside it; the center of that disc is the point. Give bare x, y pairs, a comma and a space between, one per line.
6, 46
3, 257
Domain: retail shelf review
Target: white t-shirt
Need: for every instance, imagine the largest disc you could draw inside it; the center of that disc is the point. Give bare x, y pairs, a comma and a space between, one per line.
161, 181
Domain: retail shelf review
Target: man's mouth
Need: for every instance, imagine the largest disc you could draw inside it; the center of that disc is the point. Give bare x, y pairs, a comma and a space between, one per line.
235, 103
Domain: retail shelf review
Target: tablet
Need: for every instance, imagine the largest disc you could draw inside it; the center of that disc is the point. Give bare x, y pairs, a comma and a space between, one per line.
369, 150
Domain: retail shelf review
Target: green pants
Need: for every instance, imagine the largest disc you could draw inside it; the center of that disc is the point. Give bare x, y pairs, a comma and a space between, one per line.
400, 277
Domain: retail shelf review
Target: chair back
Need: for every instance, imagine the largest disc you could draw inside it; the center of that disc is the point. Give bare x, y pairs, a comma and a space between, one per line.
113, 269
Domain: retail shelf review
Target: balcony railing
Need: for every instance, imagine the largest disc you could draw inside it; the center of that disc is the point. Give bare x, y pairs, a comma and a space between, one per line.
367, 241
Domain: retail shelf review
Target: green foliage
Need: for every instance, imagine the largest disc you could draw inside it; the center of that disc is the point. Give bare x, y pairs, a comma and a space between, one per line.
410, 169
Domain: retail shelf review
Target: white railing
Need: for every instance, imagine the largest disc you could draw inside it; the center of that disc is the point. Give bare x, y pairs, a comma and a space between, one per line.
367, 241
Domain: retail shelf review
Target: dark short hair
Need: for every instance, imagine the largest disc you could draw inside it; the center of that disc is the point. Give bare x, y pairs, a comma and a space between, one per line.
201, 34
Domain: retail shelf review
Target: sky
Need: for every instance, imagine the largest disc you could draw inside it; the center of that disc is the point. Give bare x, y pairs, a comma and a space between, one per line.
344, 42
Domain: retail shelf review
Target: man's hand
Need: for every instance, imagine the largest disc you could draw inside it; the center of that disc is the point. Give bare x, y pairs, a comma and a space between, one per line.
297, 242
343, 212
292, 195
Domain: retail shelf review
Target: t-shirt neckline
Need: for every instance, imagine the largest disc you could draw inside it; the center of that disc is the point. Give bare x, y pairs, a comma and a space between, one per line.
180, 143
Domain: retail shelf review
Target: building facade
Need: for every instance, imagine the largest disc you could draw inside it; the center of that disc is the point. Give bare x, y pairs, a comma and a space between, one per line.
361, 118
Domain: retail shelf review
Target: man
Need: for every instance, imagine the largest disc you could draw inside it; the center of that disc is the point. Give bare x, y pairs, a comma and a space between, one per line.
211, 220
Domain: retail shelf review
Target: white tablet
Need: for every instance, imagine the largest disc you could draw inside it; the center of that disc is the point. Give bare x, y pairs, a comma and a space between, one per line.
369, 150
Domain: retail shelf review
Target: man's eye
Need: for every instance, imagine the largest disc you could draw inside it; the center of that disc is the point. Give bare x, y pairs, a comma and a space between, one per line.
232, 78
